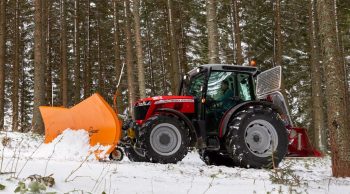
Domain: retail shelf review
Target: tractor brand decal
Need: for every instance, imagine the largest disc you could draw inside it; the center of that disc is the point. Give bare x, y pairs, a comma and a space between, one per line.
173, 100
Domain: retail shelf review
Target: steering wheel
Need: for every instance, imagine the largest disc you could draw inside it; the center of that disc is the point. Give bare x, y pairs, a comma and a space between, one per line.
212, 103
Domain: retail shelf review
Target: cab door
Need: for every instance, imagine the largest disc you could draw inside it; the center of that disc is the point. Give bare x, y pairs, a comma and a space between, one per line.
225, 90
219, 98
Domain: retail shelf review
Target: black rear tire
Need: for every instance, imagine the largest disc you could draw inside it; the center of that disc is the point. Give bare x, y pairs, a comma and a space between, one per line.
165, 139
255, 134
133, 155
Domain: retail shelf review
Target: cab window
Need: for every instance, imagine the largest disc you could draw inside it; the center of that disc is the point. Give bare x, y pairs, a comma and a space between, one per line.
196, 85
244, 87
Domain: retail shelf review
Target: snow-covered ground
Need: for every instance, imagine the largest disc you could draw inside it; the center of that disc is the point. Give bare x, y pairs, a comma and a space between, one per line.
66, 161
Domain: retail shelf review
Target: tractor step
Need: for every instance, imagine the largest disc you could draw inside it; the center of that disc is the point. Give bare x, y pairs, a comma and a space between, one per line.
213, 143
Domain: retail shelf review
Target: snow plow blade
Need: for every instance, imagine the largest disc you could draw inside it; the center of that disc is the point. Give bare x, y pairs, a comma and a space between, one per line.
93, 115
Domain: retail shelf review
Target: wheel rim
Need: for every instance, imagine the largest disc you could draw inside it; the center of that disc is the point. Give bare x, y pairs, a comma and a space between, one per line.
165, 139
261, 138
138, 152
116, 154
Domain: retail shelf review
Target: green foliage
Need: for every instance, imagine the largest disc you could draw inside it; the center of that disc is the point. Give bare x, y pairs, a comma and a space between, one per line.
34, 187
21, 188
285, 176
2, 187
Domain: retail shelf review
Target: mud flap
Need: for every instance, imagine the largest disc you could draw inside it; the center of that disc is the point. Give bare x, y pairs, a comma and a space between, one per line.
93, 115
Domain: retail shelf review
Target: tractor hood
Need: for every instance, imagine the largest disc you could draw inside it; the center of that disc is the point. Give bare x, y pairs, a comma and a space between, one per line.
146, 107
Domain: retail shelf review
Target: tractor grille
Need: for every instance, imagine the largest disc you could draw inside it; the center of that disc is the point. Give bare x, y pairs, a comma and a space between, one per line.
140, 112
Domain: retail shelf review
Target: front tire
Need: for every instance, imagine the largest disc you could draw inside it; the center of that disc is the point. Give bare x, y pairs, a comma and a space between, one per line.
256, 135
117, 154
165, 139
133, 155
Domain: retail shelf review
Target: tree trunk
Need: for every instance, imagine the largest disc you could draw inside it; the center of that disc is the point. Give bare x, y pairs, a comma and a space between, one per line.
278, 33
39, 70
278, 46
76, 53
318, 122
49, 97
237, 31
64, 64
226, 50
166, 60
335, 91
174, 76
150, 60
183, 48
213, 47
2, 60
163, 71
139, 53
101, 72
22, 101
44, 23
129, 56
15, 74
117, 60
341, 53
232, 35
87, 65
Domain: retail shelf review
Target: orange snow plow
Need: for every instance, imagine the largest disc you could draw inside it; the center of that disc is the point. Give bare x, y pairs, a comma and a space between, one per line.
93, 115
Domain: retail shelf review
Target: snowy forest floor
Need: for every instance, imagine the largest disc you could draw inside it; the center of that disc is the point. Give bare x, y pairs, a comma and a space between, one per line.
64, 160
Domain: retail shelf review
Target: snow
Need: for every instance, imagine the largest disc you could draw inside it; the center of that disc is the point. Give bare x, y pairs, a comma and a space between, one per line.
347, 58
64, 158
70, 145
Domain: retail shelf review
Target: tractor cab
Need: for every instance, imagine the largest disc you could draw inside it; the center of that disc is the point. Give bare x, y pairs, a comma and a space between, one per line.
217, 89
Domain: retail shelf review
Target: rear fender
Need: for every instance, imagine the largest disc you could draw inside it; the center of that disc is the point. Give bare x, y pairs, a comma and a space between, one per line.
228, 114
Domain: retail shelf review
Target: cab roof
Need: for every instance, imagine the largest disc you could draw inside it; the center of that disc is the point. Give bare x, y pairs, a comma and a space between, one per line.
226, 67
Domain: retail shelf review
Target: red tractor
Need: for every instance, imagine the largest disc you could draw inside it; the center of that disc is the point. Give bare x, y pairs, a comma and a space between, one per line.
234, 115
